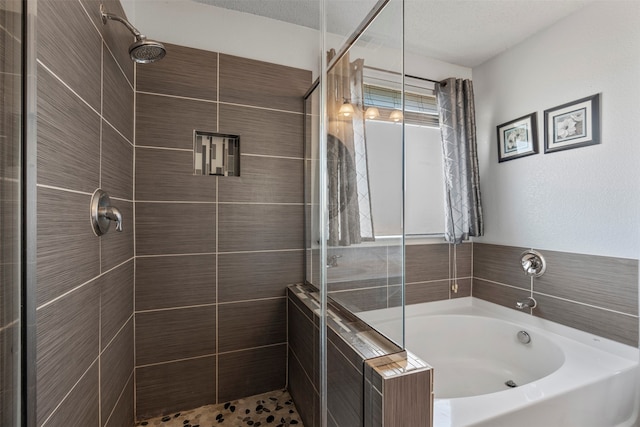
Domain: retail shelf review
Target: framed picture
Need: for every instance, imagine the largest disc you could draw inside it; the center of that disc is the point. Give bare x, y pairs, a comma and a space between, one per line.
518, 138
572, 125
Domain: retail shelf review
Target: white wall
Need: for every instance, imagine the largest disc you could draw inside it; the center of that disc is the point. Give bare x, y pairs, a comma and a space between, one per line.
585, 200
197, 25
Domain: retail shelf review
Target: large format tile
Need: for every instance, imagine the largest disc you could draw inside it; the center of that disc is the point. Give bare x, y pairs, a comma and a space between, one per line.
184, 72
464, 288
163, 121
258, 274
67, 344
608, 324
597, 280
499, 263
427, 262
260, 227
264, 180
175, 228
117, 107
116, 301
81, 406
68, 251
68, 137
265, 132
116, 247
463, 255
262, 84
407, 398
499, 294
10, 39
69, 45
251, 324
345, 391
416, 293
123, 413
175, 281
116, 368
11, 375
167, 335
176, 386
302, 392
168, 175
364, 299
357, 267
254, 371
302, 337
117, 164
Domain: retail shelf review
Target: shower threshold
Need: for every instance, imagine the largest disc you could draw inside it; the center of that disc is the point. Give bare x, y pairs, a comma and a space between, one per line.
272, 409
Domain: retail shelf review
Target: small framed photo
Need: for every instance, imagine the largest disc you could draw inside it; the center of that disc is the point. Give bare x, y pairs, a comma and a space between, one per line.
518, 138
572, 125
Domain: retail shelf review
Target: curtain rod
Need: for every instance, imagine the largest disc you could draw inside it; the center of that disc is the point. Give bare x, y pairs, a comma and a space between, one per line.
406, 75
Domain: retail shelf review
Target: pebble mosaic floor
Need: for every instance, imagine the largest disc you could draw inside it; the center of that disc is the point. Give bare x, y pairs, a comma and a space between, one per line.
272, 409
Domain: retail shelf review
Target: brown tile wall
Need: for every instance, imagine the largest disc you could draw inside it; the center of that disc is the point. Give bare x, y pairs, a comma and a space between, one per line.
357, 395
85, 346
596, 294
369, 278
10, 147
214, 254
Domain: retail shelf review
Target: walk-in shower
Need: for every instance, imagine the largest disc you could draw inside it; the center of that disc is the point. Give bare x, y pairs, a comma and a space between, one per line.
143, 50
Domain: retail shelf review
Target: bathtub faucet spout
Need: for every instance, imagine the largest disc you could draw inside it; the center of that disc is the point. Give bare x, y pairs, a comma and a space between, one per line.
528, 302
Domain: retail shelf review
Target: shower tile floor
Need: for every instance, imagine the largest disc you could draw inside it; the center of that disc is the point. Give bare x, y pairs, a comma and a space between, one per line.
272, 409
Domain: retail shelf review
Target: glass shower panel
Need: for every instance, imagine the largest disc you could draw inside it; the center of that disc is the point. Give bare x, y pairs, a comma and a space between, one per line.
343, 19
10, 201
364, 263
312, 186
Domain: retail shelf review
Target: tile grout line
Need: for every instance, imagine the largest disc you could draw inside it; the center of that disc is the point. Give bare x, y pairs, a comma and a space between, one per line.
589, 305
129, 378
185, 359
135, 256
67, 86
44, 423
218, 102
190, 150
559, 298
100, 240
59, 297
220, 253
191, 202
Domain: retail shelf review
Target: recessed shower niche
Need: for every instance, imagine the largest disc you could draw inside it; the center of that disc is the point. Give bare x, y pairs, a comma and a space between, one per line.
216, 154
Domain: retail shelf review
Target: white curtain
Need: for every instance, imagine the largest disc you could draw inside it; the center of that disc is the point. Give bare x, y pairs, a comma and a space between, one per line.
463, 207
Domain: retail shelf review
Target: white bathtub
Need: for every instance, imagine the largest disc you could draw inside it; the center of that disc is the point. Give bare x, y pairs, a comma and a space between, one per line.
563, 377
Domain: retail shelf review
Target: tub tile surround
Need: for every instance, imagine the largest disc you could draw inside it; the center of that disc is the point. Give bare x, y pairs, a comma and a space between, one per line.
214, 254
369, 277
367, 375
596, 294
84, 317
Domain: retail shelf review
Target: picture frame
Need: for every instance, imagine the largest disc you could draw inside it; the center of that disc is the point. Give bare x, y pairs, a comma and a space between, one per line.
518, 138
572, 125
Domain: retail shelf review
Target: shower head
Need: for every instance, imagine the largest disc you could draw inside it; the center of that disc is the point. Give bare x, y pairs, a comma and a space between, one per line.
145, 51
142, 51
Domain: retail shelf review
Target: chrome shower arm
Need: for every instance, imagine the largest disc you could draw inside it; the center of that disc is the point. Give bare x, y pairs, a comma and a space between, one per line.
106, 15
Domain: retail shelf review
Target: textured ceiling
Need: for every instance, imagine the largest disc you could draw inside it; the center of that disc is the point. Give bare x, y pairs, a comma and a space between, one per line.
463, 32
